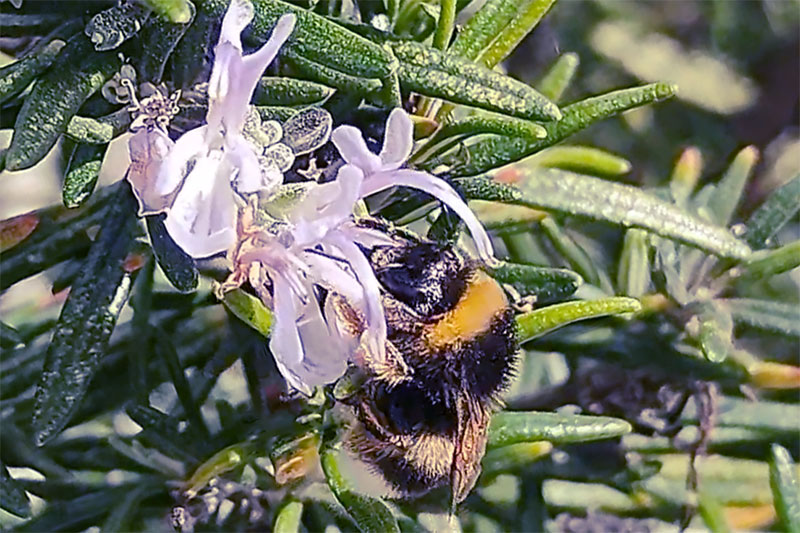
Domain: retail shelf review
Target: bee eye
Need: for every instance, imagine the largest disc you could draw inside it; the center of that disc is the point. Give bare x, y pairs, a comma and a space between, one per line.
426, 278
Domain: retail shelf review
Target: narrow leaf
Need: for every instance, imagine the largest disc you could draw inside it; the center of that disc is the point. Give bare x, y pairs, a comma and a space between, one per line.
55, 98
582, 159
482, 28
498, 151
613, 202
83, 169
9, 336
458, 130
274, 91
176, 11
527, 17
323, 41
514, 456
576, 257
728, 191
685, 175
559, 76
12, 496
346, 83
288, 517
160, 37
512, 427
177, 265
547, 284
776, 211
249, 310
445, 24
633, 275
369, 514
536, 323
769, 315
90, 131
59, 235
16, 76
766, 264
87, 320
432, 73
785, 488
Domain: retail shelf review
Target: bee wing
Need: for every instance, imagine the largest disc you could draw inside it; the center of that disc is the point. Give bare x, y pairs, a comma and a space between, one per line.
470, 445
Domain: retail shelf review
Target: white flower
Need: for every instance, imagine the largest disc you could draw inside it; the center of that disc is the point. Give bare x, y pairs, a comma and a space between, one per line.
309, 341
206, 163
379, 172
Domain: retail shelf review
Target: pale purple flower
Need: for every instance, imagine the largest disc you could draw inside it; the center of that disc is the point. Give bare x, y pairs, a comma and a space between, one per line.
310, 344
207, 163
378, 172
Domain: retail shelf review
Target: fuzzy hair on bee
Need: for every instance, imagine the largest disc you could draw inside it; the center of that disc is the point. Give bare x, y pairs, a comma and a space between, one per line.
421, 417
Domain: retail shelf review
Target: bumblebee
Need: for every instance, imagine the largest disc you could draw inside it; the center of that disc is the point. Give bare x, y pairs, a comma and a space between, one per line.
421, 417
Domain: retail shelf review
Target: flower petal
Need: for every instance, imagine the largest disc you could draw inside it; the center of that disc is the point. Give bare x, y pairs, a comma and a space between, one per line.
148, 149
256, 63
440, 190
249, 177
237, 17
373, 307
351, 145
398, 140
284, 340
202, 219
325, 351
173, 170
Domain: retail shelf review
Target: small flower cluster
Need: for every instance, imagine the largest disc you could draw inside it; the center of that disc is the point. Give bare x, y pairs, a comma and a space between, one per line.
205, 182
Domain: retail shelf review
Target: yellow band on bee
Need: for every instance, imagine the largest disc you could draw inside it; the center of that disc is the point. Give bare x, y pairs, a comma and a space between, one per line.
472, 315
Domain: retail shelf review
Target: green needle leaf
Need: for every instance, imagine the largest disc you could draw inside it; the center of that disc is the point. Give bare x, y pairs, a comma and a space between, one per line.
274, 91
323, 41
444, 26
82, 172
536, 323
527, 17
177, 265
498, 151
582, 159
514, 456
288, 517
633, 275
547, 284
55, 99
776, 211
768, 315
512, 427
728, 191
603, 200
559, 76
765, 264
15, 77
370, 515
432, 73
87, 320
177, 11
785, 488
249, 310
483, 27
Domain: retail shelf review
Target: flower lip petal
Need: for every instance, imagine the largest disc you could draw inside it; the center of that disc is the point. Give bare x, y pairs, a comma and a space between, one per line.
351, 145
440, 190
172, 172
239, 14
249, 178
398, 140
